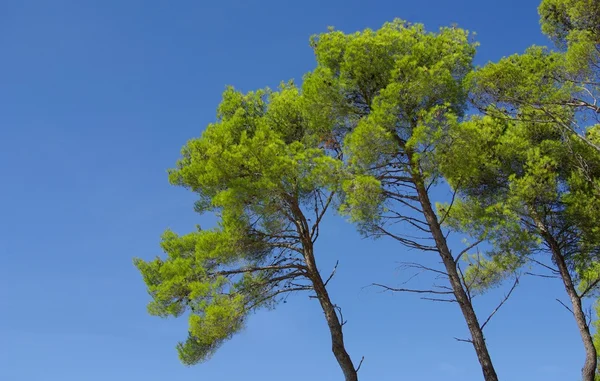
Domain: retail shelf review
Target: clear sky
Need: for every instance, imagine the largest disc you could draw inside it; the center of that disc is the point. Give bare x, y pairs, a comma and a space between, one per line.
96, 99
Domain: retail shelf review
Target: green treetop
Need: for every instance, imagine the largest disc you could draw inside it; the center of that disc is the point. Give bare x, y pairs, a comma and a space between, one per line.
528, 188
529, 171
391, 94
262, 172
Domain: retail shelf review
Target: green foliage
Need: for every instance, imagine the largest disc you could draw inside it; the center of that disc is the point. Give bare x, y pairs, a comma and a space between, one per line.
574, 25
363, 201
383, 114
258, 167
596, 327
531, 161
560, 19
530, 79
484, 273
515, 176
194, 277
390, 92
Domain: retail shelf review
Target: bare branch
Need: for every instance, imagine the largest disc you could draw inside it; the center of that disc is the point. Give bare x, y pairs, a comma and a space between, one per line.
387, 288
588, 316
255, 269
440, 300
545, 266
590, 286
564, 305
406, 241
443, 287
332, 273
278, 292
339, 309
449, 208
315, 229
501, 303
408, 204
360, 364
467, 249
464, 340
542, 275
421, 225
464, 282
420, 266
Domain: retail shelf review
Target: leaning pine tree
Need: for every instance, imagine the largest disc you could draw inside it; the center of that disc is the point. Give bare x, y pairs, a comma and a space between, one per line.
534, 158
270, 182
392, 93
523, 192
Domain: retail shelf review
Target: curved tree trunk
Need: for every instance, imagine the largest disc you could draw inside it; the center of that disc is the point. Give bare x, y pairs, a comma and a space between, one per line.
335, 326
329, 309
588, 371
463, 300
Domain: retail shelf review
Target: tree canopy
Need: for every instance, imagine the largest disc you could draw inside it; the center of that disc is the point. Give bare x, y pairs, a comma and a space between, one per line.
262, 173
387, 118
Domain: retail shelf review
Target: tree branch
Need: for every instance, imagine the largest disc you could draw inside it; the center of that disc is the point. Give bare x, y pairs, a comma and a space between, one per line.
440, 300
542, 275
589, 287
420, 266
449, 208
464, 340
555, 271
360, 364
332, 273
387, 288
467, 249
501, 303
564, 305
406, 241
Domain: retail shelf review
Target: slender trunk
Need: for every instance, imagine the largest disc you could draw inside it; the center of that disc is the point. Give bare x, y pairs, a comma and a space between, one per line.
588, 371
463, 300
335, 326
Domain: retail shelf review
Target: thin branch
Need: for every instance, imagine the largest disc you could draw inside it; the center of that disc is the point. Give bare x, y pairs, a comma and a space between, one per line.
359, 364
332, 273
589, 287
408, 204
420, 266
406, 241
467, 249
564, 305
278, 292
464, 340
254, 269
339, 309
387, 288
440, 300
441, 222
545, 266
443, 287
421, 225
320, 215
542, 275
501, 303
464, 282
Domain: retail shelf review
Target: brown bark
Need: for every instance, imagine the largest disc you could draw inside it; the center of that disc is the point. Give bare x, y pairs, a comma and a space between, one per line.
335, 326
329, 309
463, 300
588, 371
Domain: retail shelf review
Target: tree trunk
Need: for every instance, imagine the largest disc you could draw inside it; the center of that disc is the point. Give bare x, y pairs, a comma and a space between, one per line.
477, 338
588, 371
335, 326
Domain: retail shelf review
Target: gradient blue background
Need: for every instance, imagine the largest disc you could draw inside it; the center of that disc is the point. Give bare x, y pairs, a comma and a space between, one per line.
96, 99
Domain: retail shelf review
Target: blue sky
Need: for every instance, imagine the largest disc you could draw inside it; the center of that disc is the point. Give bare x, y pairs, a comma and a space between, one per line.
96, 99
